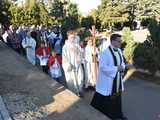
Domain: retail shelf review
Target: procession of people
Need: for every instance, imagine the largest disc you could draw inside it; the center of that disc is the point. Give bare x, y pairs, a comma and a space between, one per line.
75, 60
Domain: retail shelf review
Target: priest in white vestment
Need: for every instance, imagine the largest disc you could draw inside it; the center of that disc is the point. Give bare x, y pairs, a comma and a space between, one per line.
109, 84
72, 64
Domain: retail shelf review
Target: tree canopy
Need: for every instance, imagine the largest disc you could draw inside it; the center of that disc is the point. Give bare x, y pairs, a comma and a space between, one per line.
120, 11
111, 12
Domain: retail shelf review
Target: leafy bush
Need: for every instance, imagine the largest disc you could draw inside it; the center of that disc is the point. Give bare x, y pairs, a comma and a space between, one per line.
130, 44
147, 54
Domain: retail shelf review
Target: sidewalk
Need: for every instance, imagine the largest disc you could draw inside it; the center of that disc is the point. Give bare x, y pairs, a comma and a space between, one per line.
29, 94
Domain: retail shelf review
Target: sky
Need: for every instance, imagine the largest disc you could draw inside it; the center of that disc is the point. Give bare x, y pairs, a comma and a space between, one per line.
86, 5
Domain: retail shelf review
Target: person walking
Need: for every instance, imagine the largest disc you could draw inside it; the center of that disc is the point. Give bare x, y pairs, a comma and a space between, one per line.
109, 84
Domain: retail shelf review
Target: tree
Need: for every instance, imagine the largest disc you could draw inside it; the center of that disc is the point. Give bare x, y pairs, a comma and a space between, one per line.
73, 10
4, 12
111, 12
44, 15
95, 15
142, 9
58, 9
71, 21
30, 13
87, 22
148, 8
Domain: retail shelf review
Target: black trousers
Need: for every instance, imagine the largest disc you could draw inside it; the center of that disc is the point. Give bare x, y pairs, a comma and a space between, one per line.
45, 69
111, 106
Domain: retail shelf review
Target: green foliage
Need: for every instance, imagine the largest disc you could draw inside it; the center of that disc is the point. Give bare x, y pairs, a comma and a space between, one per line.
147, 54
73, 10
4, 13
131, 45
71, 21
127, 35
147, 8
95, 15
87, 22
32, 13
111, 12
142, 9
120, 11
83, 33
57, 10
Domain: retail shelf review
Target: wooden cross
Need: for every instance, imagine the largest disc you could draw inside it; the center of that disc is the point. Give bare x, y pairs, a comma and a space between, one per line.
93, 31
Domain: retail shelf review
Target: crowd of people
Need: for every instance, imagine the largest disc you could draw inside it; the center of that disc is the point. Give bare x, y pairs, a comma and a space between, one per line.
42, 46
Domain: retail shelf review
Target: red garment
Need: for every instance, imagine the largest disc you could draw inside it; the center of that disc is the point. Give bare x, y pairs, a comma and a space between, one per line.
51, 60
59, 58
39, 51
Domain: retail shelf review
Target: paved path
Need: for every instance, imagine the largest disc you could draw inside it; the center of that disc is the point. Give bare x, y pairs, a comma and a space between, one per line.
141, 100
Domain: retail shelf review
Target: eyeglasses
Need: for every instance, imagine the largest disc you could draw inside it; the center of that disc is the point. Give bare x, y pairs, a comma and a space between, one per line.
119, 41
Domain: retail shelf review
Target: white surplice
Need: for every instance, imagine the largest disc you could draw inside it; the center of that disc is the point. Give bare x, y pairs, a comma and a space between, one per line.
55, 70
30, 51
71, 63
89, 66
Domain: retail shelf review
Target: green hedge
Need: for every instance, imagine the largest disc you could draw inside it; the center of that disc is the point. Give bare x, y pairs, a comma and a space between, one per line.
147, 54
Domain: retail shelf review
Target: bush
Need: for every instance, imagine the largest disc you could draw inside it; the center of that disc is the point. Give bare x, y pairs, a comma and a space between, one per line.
130, 44
147, 54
